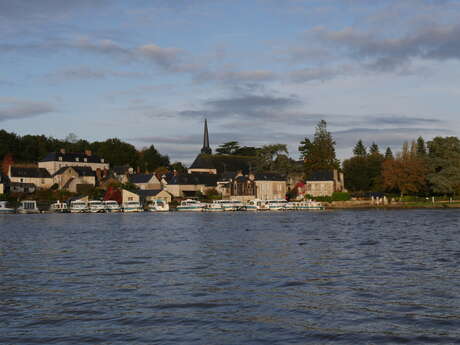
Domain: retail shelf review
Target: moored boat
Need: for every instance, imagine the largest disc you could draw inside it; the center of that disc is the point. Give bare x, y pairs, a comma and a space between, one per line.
158, 205
59, 207
256, 205
96, 206
231, 205
111, 206
276, 205
4, 209
28, 207
310, 205
191, 206
214, 207
78, 206
131, 206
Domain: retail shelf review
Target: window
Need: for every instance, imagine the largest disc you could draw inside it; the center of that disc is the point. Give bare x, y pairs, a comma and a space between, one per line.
77, 159
85, 159
60, 158
102, 160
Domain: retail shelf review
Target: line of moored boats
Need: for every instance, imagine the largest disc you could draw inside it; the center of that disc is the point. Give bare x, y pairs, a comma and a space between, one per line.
159, 205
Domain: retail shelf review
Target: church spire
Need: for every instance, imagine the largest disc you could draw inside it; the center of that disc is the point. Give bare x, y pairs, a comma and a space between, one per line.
206, 149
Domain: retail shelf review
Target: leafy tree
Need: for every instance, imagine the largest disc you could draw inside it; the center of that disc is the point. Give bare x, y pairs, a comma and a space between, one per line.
374, 149
179, 167
228, 148
319, 154
421, 147
444, 164
356, 174
246, 151
116, 152
359, 149
267, 155
151, 159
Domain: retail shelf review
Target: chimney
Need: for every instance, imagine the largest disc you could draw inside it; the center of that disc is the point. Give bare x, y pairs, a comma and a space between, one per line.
62, 150
88, 153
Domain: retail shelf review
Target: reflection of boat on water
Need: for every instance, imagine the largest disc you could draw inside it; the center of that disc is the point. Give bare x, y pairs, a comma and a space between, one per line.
28, 207
256, 205
96, 206
111, 206
78, 206
191, 205
4, 209
59, 207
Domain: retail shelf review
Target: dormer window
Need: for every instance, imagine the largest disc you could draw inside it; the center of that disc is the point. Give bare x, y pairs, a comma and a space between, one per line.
60, 158
85, 159
102, 160
77, 159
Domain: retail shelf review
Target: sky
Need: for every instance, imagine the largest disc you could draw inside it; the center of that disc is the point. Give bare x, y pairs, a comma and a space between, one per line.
261, 71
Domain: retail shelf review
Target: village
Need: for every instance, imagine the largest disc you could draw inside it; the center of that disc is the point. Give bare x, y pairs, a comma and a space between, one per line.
74, 173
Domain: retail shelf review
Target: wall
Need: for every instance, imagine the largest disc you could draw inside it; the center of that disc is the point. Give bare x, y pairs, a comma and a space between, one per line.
320, 188
52, 167
266, 190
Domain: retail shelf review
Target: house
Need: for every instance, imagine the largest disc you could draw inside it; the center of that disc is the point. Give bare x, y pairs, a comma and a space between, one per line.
122, 172
146, 181
150, 195
270, 186
72, 178
56, 160
3, 183
190, 185
39, 177
324, 183
237, 186
126, 196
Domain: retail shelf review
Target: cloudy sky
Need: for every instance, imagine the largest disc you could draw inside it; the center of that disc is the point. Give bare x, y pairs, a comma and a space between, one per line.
261, 71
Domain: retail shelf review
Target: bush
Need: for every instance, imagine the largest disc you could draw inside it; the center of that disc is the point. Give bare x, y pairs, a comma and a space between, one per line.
340, 196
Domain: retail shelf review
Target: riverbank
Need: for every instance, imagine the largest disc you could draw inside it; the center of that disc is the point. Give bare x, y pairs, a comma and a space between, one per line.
368, 204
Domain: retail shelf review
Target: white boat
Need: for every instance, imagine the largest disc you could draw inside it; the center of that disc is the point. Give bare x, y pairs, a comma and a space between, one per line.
291, 206
191, 205
276, 205
4, 209
59, 207
78, 206
158, 205
214, 207
310, 205
96, 206
131, 206
256, 205
28, 207
230, 205
111, 206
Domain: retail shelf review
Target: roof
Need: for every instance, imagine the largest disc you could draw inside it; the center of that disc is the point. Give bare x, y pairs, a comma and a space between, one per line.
72, 157
81, 171
321, 175
209, 180
30, 172
120, 169
146, 193
141, 178
202, 161
269, 177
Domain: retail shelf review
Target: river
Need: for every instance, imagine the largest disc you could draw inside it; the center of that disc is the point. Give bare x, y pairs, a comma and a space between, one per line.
332, 277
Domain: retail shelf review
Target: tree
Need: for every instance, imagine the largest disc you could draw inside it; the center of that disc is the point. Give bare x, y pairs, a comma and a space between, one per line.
374, 149
421, 147
151, 159
178, 167
444, 164
116, 152
319, 154
266, 156
388, 154
228, 148
359, 149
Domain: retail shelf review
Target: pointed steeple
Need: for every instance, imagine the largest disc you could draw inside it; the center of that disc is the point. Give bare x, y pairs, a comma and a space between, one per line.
206, 149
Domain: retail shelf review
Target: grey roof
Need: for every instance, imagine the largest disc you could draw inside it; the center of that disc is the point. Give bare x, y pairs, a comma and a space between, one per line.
208, 180
321, 175
147, 192
140, 178
269, 177
81, 171
120, 169
30, 172
71, 157
203, 161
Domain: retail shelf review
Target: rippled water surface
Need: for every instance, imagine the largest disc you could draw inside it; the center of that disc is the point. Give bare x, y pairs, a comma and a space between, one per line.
334, 277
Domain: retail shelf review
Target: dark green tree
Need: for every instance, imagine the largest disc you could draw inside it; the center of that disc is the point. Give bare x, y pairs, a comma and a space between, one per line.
228, 148
389, 154
421, 147
444, 165
374, 149
151, 159
319, 154
359, 149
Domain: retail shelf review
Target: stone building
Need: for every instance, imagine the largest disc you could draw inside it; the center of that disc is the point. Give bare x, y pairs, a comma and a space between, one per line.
145, 181
72, 178
57, 160
39, 177
270, 186
324, 183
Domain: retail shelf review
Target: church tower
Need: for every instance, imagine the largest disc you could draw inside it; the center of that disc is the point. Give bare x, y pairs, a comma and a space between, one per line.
203, 162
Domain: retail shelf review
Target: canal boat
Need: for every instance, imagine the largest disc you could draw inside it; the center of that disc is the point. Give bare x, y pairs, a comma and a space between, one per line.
310, 205
111, 206
28, 207
4, 209
158, 205
131, 206
96, 206
291, 206
59, 207
78, 206
276, 205
191, 206
214, 207
256, 205
231, 205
